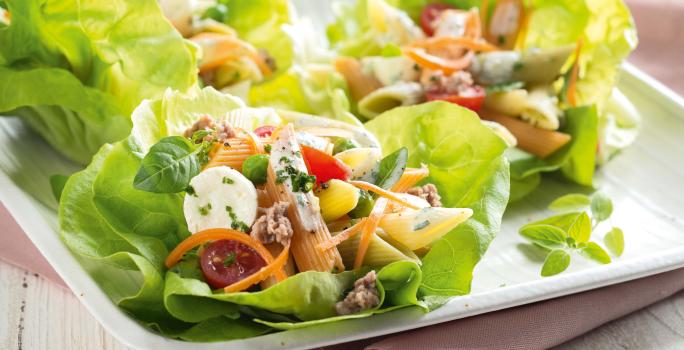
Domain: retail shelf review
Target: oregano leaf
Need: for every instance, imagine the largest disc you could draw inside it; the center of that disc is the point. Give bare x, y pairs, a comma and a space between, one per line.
556, 262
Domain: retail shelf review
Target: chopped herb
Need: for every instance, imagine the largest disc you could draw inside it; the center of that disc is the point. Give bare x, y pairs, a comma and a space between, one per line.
285, 160
235, 223
230, 259
298, 153
501, 39
518, 66
205, 209
268, 148
199, 135
421, 225
227, 180
301, 181
191, 191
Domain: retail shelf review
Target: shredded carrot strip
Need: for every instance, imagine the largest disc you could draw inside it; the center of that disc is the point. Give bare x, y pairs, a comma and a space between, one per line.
342, 236
221, 48
409, 178
443, 41
277, 265
368, 230
383, 193
473, 27
484, 13
255, 142
214, 234
572, 84
448, 66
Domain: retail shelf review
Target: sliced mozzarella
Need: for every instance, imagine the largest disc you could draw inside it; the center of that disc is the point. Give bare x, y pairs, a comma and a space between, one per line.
218, 192
390, 70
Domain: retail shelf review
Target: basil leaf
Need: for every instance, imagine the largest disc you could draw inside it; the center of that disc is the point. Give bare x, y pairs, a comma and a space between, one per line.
615, 241
570, 202
601, 206
580, 230
168, 166
556, 262
391, 168
547, 236
594, 252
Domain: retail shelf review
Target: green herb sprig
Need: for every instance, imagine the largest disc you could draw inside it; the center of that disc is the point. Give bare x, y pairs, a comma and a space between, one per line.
571, 231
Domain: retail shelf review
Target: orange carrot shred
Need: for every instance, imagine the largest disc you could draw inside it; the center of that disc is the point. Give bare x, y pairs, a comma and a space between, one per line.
214, 234
342, 236
383, 193
572, 84
448, 66
268, 270
368, 230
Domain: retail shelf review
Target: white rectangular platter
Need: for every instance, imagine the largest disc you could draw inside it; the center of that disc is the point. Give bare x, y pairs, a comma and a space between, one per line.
646, 183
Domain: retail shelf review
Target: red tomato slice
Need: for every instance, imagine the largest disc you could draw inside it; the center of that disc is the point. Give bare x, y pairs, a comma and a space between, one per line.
430, 14
324, 166
264, 131
226, 261
472, 99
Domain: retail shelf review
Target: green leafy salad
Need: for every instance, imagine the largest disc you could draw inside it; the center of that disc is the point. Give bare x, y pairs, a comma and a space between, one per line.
246, 177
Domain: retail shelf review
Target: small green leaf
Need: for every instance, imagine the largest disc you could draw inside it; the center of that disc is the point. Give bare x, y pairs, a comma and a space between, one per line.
547, 236
581, 228
570, 202
562, 221
615, 241
168, 166
391, 168
594, 252
556, 262
601, 206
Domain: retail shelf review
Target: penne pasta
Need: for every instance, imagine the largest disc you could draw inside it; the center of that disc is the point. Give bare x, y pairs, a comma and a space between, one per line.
336, 199
420, 228
304, 214
542, 143
380, 252
234, 152
360, 84
389, 97
410, 178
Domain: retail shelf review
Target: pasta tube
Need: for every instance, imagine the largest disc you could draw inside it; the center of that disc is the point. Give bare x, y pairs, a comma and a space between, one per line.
304, 213
419, 228
388, 97
337, 199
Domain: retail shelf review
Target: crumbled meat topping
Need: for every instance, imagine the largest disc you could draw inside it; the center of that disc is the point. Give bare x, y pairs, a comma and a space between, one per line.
273, 225
427, 192
363, 297
221, 132
457, 83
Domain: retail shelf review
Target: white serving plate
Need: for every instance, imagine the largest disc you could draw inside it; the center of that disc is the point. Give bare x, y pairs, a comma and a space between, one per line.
646, 184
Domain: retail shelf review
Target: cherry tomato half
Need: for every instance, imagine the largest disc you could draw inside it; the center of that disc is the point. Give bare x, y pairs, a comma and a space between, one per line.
264, 131
226, 261
430, 13
324, 166
472, 99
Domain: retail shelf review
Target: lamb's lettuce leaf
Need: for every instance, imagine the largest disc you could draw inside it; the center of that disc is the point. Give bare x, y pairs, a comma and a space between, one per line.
467, 164
76, 70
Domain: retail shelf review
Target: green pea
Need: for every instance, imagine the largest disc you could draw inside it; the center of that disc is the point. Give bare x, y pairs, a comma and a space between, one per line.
255, 167
364, 206
342, 145
217, 12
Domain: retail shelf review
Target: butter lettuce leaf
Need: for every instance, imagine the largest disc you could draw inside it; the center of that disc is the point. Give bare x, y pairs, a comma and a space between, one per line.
76, 70
467, 164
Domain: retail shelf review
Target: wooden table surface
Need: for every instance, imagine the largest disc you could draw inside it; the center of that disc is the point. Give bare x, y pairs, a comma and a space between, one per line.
42, 315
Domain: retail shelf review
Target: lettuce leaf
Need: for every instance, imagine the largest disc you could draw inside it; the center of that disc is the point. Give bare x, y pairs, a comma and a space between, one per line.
76, 70
260, 22
313, 89
467, 164
576, 160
